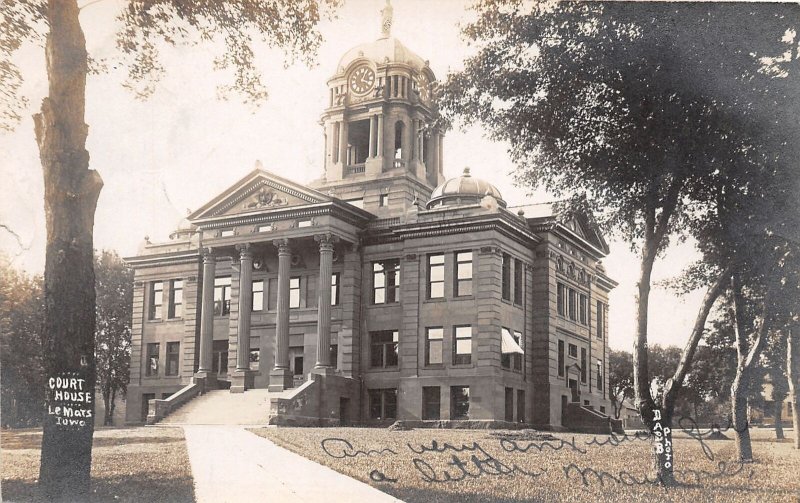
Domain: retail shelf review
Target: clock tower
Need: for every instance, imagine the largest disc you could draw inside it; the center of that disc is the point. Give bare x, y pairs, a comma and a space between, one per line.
382, 147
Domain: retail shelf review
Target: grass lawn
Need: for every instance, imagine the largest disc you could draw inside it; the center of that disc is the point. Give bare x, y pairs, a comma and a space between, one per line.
128, 465
523, 466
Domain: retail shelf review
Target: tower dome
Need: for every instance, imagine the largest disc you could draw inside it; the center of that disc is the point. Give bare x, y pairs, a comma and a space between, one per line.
385, 50
464, 189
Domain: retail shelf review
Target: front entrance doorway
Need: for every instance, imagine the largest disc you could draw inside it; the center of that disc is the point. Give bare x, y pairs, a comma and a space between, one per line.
219, 362
576, 393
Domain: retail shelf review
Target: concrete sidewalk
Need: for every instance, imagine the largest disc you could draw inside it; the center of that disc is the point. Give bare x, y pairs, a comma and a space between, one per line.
231, 464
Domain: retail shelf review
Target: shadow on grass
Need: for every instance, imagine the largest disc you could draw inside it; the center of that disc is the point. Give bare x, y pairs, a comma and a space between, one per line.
116, 489
17, 441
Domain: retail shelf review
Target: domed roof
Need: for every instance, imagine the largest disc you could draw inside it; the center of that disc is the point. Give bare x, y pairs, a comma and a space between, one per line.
383, 50
464, 188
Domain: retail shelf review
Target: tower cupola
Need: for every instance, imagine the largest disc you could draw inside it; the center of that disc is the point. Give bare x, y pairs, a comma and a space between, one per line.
380, 117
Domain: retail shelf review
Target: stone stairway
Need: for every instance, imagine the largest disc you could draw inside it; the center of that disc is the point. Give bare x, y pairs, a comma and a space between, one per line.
223, 407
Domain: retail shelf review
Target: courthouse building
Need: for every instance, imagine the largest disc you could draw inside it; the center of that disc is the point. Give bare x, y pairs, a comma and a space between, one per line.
385, 290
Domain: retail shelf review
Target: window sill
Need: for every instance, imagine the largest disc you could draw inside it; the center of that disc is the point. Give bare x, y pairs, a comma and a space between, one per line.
436, 299
434, 366
464, 297
384, 369
385, 304
463, 365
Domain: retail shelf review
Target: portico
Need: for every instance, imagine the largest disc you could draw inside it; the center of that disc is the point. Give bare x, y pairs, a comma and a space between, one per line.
271, 265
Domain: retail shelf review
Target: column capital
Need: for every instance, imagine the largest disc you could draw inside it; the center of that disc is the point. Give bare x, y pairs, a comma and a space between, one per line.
208, 255
326, 241
282, 245
245, 250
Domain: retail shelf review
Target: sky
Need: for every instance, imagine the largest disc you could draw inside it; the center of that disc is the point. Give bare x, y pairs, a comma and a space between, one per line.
172, 153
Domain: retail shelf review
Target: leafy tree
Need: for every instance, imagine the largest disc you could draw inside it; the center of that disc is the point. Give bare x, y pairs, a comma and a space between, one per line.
114, 284
629, 115
21, 308
620, 379
72, 189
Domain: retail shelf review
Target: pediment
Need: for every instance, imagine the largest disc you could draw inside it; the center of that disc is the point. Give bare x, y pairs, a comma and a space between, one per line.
260, 190
586, 229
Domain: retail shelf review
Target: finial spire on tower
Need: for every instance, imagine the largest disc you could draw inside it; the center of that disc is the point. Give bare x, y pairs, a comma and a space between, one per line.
386, 20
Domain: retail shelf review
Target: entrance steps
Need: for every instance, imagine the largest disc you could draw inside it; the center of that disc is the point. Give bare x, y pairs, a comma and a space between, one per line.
223, 407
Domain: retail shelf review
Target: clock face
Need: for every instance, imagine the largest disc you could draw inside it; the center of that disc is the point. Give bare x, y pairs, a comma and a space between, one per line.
362, 80
424, 88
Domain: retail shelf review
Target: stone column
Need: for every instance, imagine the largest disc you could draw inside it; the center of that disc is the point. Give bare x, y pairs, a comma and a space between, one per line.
373, 126
414, 147
242, 378
323, 364
379, 146
343, 143
281, 377
207, 320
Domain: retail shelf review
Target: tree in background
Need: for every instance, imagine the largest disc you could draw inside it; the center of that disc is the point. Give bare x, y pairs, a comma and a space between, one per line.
620, 379
72, 188
114, 282
22, 379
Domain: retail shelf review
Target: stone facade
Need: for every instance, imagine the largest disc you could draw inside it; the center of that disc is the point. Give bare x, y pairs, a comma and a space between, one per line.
382, 290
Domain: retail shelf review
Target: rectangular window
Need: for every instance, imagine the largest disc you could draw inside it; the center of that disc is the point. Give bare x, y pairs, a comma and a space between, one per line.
435, 276
517, 358
294, 292
583, 306
463, 274
265, 228
152, 359
156, 299
258, 296
560, 358
518, 281
272, 294
383, 200
434, 340
561, 299
431, 403
175, 298
601, 319
459, 402
599, 375
173, 357
222, 296
509, 405
573, 305
583, 365
358, 203
303, 223
520, 406
334, 355
573, 351
506, 270
386, 281
462, 345
383, 348
227, 233
383, 404
255, 358
335, 289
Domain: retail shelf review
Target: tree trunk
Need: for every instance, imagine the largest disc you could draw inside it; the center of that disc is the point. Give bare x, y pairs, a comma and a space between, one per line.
746, 363
112, 407
777, 413
793, 372
71, 192
741, 429
107, 404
